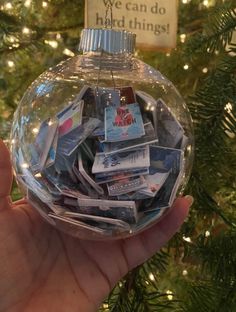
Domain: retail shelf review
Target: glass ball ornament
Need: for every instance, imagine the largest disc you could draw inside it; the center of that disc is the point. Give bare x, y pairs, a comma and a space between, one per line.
102, 143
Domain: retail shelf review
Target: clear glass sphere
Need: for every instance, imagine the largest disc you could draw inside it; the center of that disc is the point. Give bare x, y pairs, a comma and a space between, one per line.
102, 145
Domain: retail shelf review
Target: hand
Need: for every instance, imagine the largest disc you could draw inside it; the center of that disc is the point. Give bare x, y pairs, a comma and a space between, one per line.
44, 270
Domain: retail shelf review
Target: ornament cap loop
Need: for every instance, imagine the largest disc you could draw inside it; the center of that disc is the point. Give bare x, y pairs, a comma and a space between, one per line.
107, 40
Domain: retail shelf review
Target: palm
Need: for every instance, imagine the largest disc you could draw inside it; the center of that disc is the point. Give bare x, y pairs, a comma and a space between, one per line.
44, 270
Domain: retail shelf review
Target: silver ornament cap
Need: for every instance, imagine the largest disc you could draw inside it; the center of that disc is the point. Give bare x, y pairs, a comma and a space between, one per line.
107, 40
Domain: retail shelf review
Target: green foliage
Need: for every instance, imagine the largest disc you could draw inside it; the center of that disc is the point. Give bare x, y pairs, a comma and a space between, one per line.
206, 297
217, 33
222, 252
210, 261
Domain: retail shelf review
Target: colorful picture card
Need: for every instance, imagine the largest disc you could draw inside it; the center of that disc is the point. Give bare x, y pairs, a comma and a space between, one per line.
123, 123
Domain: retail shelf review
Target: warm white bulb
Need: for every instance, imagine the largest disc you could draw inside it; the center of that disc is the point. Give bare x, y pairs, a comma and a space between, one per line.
229, 107
11, 39
68, 52
52, 43
207, 233
38, 175
206, 3
151, 277
8, 6
182, 38
185, 272
187, 239
35, 130
170, 295
186, 67
184, 1
27, 3
10, 64
25, 165
44, 4
205, 70
25, 30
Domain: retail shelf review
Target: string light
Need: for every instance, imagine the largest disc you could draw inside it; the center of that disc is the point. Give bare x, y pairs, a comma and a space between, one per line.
206, 3
58, 36
25, 165
182, 38
168, 54
207, 234
185, 272
68, 52
27, 3
105, 306
35, 130
151, 277
184, 1
186, 67
170, 295
12, 39
10, 64
229, 107
44, 4
25, 30
8, 6
52, 43
187, 239
38, 175
205, 70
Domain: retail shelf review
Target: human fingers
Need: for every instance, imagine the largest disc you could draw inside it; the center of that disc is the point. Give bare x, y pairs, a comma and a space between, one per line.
21, 201
139, 248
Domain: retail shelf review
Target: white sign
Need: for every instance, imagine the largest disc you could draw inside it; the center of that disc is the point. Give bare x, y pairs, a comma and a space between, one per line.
154, 22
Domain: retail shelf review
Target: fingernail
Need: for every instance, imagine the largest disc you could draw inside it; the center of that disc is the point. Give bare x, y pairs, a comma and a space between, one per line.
190, 199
